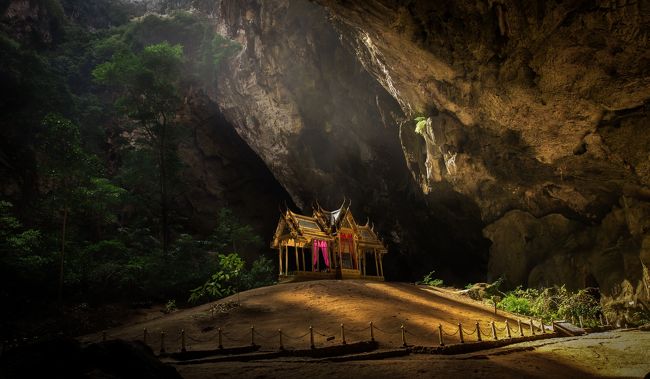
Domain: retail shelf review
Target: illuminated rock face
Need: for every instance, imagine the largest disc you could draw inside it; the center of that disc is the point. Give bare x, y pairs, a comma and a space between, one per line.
544, 108
538, 120
326, 129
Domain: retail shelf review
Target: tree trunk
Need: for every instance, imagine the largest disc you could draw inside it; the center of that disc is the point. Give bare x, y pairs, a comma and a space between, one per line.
62, 255
164, 209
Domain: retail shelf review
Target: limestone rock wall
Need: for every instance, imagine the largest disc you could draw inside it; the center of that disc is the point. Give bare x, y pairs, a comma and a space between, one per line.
543, 107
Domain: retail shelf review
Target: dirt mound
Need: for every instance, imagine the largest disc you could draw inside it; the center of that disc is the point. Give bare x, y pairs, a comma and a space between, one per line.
324, 305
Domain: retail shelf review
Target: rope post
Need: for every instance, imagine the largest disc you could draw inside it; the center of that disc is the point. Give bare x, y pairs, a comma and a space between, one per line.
521, 330
606, 319
508, 330
573, 319
403, 335
343, 335
532, 327
494, 331
220, 339
372, 333
162, 341
280, 333
252, 335
442, 343
460, 332
541, 325
580, 320
478, 332
144, 336
311, 337
104, 336
600, 316
183, 341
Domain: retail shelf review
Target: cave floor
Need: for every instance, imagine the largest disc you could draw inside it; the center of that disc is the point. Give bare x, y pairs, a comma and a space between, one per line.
619, 353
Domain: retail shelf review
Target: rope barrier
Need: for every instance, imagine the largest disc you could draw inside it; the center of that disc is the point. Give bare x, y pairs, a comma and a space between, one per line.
198, 340
266, 337
295, 338
245, 337
385, 332
469, 333
450, 334
357, 330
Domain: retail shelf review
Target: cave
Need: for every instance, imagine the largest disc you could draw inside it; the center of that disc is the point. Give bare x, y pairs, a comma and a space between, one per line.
490, 142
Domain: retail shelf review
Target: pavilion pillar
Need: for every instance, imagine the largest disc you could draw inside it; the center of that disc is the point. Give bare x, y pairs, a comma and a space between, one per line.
363, 256
286, 259
376, 262
381, 265
302, 255
295, 250
280, 258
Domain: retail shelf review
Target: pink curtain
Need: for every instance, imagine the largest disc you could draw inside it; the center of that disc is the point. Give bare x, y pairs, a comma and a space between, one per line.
322, 246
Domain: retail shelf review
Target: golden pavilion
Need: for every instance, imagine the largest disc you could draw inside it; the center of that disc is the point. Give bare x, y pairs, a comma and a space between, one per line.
327, 245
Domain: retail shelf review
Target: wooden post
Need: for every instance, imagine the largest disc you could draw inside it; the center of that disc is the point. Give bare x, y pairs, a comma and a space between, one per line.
460, 332
280, 259
381, 265
286, 259
311, 337
144, 336
580, 320
220, 339
403, 335
252, 335
343, 334
162, 342
508, 330
442, 343
541, 325
376, 263
364, 263
606, 319
183, 341
600, 316
372, 333
532, 328
478, 332
280, 333
494, 331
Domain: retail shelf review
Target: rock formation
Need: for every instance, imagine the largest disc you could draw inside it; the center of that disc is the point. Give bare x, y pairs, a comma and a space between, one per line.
539, 115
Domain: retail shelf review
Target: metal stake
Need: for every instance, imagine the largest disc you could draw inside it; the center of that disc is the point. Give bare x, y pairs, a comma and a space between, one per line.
311, 337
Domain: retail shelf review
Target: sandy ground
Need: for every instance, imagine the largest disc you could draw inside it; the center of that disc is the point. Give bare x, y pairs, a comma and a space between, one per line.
293, 307
324, 305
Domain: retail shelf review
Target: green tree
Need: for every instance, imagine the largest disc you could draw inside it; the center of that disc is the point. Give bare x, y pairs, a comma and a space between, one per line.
230, 234
148, 83
65, 169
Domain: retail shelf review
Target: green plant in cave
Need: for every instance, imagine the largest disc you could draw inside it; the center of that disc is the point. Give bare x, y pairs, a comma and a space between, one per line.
429, 280
420, 125
226, 281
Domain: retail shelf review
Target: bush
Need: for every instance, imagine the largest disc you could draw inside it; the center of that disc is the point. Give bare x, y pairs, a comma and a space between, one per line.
430, 281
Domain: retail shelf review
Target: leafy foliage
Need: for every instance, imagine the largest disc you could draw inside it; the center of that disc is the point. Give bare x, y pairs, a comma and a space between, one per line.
553, 303
429, 280
420, 125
